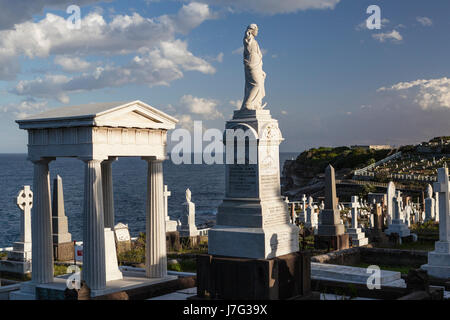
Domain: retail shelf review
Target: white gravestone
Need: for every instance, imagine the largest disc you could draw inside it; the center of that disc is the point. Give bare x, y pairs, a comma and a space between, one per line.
358, 237
408, 213
19, 259
188, 227
398, 226
429, 204
436, 207
123, 238
171, 225
311, 215
390, 197
439, 260
302, 215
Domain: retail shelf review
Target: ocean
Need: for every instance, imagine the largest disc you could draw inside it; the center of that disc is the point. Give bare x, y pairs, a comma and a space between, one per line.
207, 183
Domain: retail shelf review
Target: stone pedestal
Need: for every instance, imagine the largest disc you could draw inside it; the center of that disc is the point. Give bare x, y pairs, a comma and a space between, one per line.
278, 278
111, 265
253, 219
357, 237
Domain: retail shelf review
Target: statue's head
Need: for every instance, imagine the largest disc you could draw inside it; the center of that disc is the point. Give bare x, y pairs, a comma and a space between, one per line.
252, 30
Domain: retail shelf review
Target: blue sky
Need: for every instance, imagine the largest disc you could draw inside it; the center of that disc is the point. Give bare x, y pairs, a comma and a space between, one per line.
330, 81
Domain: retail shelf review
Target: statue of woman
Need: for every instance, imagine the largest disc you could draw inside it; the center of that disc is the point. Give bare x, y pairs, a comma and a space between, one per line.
254, 74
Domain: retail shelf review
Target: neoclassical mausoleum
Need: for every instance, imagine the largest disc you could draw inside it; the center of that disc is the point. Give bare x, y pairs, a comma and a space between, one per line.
97, 134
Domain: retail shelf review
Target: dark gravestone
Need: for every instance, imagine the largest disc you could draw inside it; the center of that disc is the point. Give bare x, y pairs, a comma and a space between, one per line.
282, 277
331, 232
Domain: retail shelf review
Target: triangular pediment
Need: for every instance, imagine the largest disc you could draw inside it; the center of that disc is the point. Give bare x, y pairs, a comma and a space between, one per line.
135, 115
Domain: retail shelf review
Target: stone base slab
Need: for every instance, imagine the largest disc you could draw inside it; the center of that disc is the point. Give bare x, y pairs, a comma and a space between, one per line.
441, 272
360, 242
438, 265
338, 242
399, 228
325, 271
254, 243
282, 277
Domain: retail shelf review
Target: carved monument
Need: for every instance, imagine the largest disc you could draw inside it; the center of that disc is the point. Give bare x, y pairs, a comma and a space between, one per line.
253, 236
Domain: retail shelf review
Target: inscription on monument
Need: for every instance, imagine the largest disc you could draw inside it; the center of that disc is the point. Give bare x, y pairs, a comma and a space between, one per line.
270, 186
276, 215
242, 181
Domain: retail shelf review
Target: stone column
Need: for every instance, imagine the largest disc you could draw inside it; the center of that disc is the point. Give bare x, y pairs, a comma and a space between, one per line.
155, 254
94, 270
41, 225
108, 192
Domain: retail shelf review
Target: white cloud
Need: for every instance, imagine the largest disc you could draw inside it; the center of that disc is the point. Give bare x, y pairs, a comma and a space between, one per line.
207, 108
185, 121
428, 94
219, 57
72, 64
124, 34
160, 57
284, 112
16, 12
425, 21
25, 108
239, 50
160, 66
272, 7
237, 104
394, 35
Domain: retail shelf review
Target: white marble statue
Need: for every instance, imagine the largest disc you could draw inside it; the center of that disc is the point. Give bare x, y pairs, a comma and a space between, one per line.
254, 74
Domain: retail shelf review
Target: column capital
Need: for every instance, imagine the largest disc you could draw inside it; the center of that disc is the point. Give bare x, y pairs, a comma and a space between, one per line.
152, 159
92, 159
110, 159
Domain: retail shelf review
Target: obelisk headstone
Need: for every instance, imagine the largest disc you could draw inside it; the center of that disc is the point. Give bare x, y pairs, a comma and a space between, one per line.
62, 239
331, 232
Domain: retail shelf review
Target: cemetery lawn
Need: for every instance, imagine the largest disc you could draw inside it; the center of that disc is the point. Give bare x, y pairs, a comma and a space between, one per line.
425, 246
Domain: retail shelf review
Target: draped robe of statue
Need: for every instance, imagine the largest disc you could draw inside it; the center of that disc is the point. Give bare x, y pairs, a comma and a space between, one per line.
254, 74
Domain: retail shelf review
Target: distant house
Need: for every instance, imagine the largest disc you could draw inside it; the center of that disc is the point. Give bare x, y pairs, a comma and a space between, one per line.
374, 147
